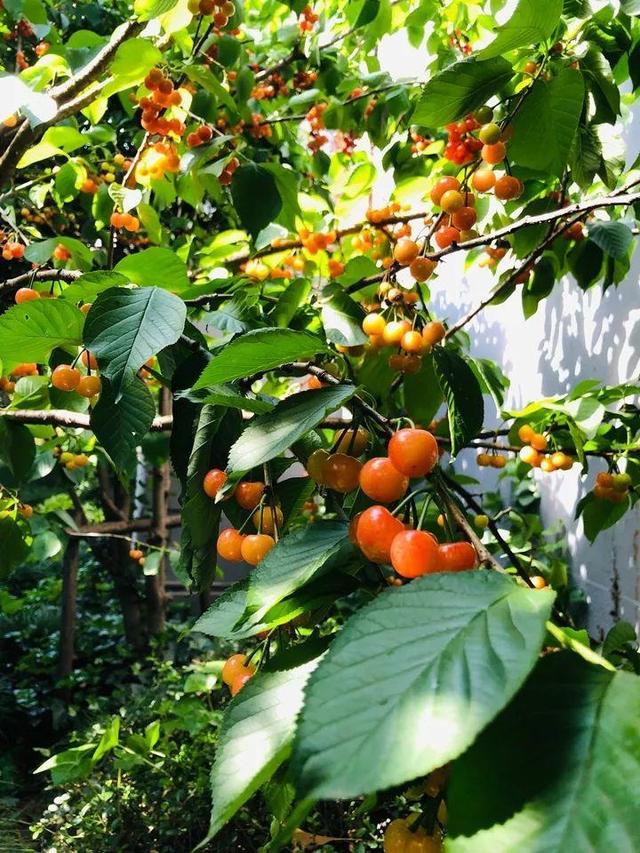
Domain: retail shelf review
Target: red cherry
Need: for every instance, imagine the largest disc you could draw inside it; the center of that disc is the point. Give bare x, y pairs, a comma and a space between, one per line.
248, 494
375, 531
381, 481
414, 452
458, 556
213, 481
415, 553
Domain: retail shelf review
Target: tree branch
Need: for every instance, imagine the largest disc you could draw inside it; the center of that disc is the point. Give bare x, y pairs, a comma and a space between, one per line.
73, 420
108, 528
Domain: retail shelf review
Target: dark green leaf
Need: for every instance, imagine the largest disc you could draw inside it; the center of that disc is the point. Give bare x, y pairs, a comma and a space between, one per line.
422, 393
296, 294
120, 425
267, 436
614, 238
461, 389
250, 183
413, 678
17, 448
13, 546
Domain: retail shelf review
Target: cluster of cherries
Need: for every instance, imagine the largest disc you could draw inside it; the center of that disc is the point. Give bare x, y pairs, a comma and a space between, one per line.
70, 460
226, 176
533, 452
12, 250
271, 87
221, 10
315, 241
137, 555
8, 384
66, 377
307, 19
125, 220
199, 136
259, 129
378, 215
159, 158
315, 117
462, 147
491, 460
404, 836
163, 95
613, 488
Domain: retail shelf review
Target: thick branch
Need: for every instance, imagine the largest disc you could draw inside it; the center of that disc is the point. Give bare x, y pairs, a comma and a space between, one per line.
74, 420
107, 528
25, 279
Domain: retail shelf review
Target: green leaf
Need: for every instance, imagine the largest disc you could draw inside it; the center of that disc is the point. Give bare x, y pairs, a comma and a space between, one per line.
270, 435
539, 286
554, 109
492, 379
413, 678
614, 238
461, 389
126, 326
120, 425
586, 156
251, 182
13, 547
109, 739
211, 84
574, 793
599, 515
530, 24
422, 394
17, 448
297, 558
296, 294
222, 395
602, 86
131, 64
255, 738
257, 351
146, 10
70, 765
459, 89
341, 317
88, 286
40, 252
155, 267
29, 332
222, 617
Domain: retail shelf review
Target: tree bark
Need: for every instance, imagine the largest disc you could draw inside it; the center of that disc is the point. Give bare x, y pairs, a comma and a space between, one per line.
68, 613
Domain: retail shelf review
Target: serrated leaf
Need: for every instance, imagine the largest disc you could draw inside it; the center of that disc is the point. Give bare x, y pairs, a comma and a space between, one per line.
126, 326
255, 738
222, 617
30, 331
256, 351
296, 559
459, 89
461, 389
155, 267
413, 678
586, 156
270, 435
120, 425
554, 107
530, 24
422, 394
222, 395
506, 793
614, 238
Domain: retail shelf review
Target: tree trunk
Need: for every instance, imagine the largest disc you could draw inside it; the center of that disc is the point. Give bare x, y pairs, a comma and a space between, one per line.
68, 614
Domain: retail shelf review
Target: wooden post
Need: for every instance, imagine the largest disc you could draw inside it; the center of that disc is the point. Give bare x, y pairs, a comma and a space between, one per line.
68, 615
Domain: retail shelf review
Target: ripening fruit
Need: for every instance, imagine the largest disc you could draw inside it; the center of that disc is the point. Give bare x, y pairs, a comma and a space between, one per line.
394, 331
483, 115
464, 219
80, 460
375, 531
412, 341
538, 582
263, 519
381, 481
413, 452
538, 441
373, 324
621, 482
341, 472
451, 201
422, 268
481, 521
562, 460
483, 460
26, 511
604, 480
458, 556
508, 187
483, 180
489, 133
238, 683
405, 251
315, 465
547, 465
442, 186
89, 360
229, 545
526, 433
433, 333
65, 378
26, 294
213, 481
415, 553
447, 235
135, 554
248, 494
497, 461
493, 154
235, 666
89, 386
255, 547
530, 456
352, 442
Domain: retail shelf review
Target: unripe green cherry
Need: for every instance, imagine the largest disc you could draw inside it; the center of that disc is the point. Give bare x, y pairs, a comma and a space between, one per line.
483, 114
490, 133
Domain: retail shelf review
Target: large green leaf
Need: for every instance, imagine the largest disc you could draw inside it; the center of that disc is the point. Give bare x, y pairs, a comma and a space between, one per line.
422, 394
614, 238
413, 678
13, 546
461, 389
89, 285
530, 24
132, 62
17, 448
553, 108
295, 560
341, 317
296, 294
255, 738
155, 267
29, 332
573, 791
257, 351
126, 326
256, 197
221, 619
459, 89
270, 435
121, 424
